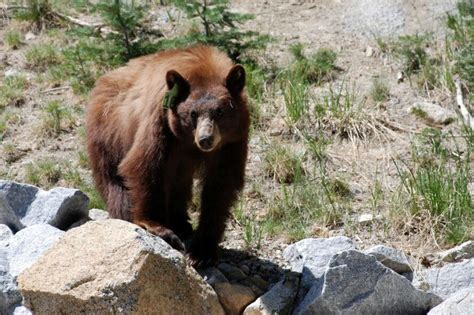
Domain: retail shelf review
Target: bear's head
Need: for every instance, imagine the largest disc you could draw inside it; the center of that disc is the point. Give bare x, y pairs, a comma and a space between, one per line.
207, 112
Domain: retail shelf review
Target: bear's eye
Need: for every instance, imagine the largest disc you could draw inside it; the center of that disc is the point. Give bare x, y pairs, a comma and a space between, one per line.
194, 115
219, 112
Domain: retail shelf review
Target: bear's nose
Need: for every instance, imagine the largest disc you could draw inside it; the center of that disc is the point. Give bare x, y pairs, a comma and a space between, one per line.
205, 142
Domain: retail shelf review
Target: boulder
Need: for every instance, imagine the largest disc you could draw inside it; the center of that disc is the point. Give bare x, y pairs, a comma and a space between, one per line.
460, 303
59, 207
449, 279
234, 297
29, 244
113, 266
458, 253
278, 300
311, 256
355, 283
393, 259
7, 216
9, 294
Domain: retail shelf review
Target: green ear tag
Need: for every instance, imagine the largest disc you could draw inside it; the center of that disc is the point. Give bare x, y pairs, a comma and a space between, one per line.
169, 100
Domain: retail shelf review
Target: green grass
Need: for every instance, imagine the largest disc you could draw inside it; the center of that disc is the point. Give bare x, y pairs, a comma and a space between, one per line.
44, 173
341, 113
380, 91
6, 119
12, 91
252, 232
42, 56
317, 68
11, 153
282, 164
13, 39
297, 101
56, 119
437, 181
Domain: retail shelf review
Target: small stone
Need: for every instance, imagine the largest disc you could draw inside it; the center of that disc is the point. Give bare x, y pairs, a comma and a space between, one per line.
30, 36
98, 214
231, 272
278, 300
400, 77
458, 253
259, 282
212, 275
365, 218
277, 127
10, 72
433, 112
369, 51
460, 303
245, 269
391, 258
234, 297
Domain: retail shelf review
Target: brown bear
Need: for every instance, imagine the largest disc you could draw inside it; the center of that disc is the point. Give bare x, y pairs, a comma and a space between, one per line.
158, 122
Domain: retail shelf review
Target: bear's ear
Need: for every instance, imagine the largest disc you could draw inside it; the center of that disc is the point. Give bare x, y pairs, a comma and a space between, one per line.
235, 81
178, 89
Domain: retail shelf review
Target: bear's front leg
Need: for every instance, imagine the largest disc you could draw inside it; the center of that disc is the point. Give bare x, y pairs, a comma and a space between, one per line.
223, 180
142, 171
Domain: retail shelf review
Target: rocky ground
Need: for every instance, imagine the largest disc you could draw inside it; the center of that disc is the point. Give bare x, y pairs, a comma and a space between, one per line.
51, 265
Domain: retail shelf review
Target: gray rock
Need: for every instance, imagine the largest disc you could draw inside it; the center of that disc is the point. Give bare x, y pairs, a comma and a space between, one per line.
5, 234
9, 294
59, 207
7, 216
231, 272
311, 256
458, 253
434, 112
391, 258
460, 303
451, 278
212, 275
19, 196
355, 283
21, 310
29, 244
278, 300
97, 214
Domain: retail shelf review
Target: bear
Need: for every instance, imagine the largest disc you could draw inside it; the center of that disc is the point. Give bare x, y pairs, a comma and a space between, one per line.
155, 125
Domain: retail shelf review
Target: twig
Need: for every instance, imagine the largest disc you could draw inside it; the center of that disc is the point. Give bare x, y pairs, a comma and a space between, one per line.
55, 89
468, 119
96, 26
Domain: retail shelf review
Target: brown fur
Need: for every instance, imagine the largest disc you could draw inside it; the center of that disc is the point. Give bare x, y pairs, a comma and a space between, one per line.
144, 156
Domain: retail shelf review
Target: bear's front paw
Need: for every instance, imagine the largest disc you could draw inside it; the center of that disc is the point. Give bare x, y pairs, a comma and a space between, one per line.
166, 234
201, 253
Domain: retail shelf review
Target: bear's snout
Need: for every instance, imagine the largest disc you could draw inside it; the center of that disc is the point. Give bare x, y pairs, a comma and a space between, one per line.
207, 135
